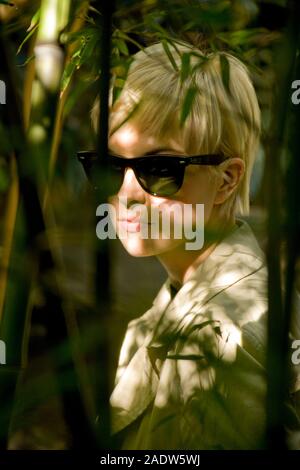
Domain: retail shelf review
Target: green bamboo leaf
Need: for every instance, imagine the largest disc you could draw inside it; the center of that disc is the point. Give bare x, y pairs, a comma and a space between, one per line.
120, 70
88, 49
225, 70
70, 69
169, 54
67, 75
119, 82
152, 22
26, 38
127, 38
188, 103
247, 36
83, 35
185, 66
29, 59
201, 61
118, 87
34, 20
31, 30
116, 93
122, 46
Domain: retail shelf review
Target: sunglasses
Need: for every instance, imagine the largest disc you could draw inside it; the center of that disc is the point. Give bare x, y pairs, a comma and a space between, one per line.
158, 175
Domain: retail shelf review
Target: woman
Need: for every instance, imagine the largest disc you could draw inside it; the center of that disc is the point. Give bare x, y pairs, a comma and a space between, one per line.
191, 369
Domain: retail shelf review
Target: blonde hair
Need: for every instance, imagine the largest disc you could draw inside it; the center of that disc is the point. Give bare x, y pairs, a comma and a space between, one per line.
224, 116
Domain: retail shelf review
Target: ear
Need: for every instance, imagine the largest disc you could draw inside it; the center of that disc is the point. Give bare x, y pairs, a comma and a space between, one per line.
229, 179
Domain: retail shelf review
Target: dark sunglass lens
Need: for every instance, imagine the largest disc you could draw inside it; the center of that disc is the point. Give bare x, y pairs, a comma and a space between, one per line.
112, 174
161, 176
115, 174
88, 161
109, 177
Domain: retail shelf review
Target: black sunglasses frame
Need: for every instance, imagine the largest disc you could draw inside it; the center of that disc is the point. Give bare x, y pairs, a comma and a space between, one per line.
90, 157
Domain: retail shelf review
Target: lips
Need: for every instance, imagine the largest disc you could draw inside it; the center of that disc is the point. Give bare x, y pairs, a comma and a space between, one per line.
130, 225
131, 220
134, 221
130, 216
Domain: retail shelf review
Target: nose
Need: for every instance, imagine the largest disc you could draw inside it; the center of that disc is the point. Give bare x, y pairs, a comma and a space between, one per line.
131, 189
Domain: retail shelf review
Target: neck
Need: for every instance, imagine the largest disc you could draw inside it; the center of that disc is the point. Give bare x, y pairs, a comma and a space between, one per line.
180, 263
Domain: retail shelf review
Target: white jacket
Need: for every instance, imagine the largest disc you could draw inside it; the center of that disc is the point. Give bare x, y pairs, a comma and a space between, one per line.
191, 372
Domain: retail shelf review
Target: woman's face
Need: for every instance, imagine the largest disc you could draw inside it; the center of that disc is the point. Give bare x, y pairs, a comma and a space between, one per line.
133, 221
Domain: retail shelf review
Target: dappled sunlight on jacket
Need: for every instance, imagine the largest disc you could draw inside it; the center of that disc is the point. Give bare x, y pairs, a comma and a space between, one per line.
191, 371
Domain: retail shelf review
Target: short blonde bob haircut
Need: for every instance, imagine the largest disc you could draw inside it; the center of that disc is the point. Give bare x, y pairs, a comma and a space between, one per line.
224, 115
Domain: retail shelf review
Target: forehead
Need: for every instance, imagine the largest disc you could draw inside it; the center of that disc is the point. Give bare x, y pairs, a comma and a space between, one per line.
128, 140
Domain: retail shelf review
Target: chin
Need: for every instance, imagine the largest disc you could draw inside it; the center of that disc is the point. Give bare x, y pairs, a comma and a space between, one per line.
146, 247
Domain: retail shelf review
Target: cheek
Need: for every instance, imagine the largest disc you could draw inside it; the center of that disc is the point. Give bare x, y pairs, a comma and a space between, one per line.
198, 188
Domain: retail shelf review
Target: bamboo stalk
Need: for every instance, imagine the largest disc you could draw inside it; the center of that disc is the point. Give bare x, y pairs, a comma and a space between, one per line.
28, 81
14, 321
49, 63
48, 52
102, 278
9, 224
78, 22
57, 118
277, 316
